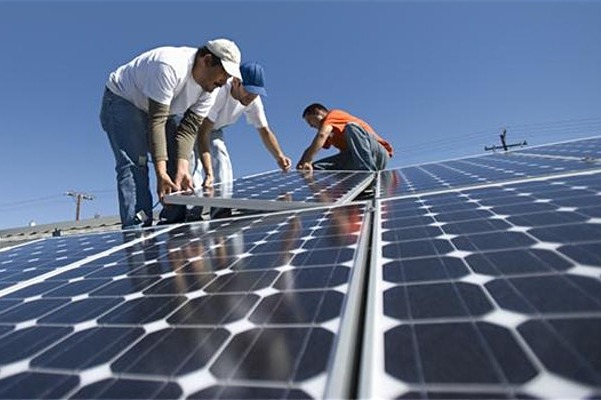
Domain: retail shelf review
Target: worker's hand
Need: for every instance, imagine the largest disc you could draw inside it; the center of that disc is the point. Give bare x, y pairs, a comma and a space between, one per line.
165, 186
184, 181
284, 162
208, 181
307, 175
303, 165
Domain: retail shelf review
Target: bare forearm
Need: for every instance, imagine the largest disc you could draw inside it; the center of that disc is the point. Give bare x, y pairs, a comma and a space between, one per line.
271, 142
317, 143
310, 151
160, 168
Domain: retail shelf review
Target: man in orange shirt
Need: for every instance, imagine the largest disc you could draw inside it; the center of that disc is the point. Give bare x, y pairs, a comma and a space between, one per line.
360, 146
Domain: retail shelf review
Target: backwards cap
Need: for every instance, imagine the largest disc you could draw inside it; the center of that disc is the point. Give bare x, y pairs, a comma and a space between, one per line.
228, 53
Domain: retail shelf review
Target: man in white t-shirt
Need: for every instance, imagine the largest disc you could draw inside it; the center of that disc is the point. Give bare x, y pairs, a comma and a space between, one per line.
233, 99
142, 110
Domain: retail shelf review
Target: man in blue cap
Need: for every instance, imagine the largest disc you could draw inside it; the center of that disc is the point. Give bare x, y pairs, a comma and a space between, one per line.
233, 99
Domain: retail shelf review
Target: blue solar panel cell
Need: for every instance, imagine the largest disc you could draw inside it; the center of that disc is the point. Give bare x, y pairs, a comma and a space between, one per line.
443, 353
435, 300
312, 277
30, 310
302, 307
476, 226
143, 310
424, 269
244, 281
475, 395
88, 348
248, 392
275, 354
567, 347
219, 309
38, 385
584, 253
547, 294
128, 389
76, 288
6, 328
189, 349
517, 262
493, 241
568, 233
79, 311
33, 290
542, 219
417, 248
23, 343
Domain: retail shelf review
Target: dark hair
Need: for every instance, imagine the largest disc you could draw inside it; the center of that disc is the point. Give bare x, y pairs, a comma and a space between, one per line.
313, 108
203, 51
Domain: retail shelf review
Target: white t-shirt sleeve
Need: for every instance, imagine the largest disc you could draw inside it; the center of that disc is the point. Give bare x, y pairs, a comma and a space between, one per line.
161, 87
255, 114
204, 104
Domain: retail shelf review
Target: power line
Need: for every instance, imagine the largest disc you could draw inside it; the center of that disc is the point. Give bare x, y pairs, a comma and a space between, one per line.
30, 201
585, 126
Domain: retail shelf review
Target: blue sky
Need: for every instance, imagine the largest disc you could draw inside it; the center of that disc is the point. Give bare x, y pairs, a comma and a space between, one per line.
439, 80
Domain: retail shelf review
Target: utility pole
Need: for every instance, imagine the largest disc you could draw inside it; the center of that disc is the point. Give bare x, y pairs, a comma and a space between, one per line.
504, 144
78, 198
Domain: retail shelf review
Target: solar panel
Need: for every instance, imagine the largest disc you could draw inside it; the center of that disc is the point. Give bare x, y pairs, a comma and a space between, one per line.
492, 168
281, 191
487, 293
586, 149
260, 306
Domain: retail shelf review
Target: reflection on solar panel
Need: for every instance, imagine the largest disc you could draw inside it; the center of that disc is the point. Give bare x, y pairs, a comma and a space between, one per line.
476, 278
475, 171
281, 191
252, 307
487, 293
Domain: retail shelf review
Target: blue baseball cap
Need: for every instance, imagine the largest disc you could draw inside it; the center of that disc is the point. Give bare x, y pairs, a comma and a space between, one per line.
253, 78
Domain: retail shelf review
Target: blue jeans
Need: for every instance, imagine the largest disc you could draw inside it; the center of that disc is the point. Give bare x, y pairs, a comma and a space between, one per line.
127, 130
363, 153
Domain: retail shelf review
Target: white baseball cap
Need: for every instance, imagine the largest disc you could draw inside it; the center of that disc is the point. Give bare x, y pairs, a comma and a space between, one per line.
228, 53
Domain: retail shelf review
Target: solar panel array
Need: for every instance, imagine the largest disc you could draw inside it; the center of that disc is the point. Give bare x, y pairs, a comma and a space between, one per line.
251, 307
585, 149
488, 293
472, 278
481, 170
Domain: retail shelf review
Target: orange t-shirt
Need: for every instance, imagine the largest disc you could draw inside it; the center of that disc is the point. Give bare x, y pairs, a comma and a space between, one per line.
338, 120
